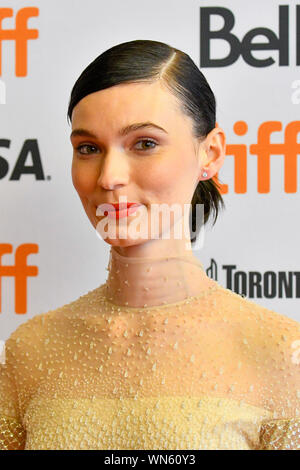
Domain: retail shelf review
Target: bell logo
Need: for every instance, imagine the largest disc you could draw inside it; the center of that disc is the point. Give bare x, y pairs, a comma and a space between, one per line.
20, 271
21, 34
249, 43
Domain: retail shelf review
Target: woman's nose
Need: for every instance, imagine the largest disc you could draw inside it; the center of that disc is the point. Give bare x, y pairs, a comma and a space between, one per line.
114, 171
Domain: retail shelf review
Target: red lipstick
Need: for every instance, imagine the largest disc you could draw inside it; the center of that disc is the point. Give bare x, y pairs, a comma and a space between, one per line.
119, 210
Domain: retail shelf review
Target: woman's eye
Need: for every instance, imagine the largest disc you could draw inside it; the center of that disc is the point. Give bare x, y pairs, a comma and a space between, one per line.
88, 149
85, 146
147, 147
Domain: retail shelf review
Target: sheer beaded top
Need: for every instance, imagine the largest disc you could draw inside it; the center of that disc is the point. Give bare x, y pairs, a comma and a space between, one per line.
213, 371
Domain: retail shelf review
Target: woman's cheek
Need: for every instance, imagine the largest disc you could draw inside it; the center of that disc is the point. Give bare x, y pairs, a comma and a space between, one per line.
84, 178
159, 174
173, 183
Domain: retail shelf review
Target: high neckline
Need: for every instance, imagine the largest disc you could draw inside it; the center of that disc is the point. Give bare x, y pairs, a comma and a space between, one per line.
139, 260
137, 282
188, 300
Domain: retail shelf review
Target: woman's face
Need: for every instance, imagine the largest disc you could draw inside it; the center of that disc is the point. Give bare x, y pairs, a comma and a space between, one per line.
147, 165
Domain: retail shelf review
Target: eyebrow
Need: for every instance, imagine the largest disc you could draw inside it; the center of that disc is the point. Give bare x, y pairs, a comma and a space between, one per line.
122, 132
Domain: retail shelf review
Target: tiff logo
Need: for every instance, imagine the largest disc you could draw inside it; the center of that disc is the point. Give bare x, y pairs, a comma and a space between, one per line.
20, 271
20, 34
264, 149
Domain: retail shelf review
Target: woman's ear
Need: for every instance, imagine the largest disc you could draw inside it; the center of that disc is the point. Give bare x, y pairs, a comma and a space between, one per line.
211, 153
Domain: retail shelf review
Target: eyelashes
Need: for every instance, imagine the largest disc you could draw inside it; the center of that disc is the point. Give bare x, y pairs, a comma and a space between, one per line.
78, 149
148, 140
84, 146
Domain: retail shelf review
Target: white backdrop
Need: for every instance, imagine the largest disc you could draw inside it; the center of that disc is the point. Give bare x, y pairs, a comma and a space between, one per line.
258, 231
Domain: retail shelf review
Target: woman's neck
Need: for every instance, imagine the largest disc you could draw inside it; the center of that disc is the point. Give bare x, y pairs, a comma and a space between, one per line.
149, 281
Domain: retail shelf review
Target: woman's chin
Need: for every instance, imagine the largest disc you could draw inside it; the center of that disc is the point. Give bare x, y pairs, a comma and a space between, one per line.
124, 242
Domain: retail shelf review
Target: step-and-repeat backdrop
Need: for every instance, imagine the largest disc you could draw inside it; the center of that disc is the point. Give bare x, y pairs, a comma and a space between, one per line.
250, 54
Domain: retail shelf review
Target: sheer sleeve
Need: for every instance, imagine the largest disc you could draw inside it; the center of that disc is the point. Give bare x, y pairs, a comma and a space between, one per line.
12, 433
280, 434
282, 430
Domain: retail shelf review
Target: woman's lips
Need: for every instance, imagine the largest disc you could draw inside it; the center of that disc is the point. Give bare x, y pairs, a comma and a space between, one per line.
118, 214
119, 211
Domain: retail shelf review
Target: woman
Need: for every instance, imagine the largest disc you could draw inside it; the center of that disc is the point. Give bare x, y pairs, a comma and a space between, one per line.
160, 356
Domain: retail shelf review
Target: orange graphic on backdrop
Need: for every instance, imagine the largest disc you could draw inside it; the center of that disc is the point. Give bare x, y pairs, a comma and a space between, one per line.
263, 149
20, 271
21, 34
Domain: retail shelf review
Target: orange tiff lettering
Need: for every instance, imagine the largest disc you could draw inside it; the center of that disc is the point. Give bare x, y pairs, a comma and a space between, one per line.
21, 34
20, 271
263, 149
